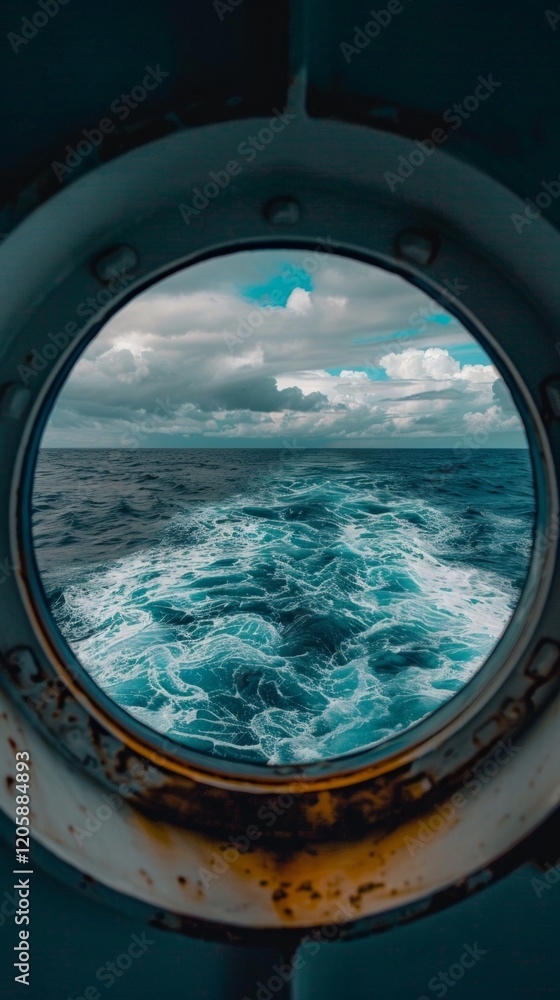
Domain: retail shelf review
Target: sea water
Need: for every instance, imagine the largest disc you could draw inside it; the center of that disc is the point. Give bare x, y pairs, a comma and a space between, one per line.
284, 605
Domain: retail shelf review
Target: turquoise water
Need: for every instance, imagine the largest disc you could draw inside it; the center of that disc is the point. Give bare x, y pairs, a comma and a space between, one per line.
282, 606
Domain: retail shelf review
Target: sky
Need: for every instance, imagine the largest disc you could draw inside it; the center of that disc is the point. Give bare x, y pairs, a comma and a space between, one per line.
283, 348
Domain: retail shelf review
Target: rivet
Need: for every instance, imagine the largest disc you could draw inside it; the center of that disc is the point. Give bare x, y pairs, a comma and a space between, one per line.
544, 662
512, 710
413, 790
23, 664
114, 263
282, 212
417, 246
552, 390
14, 400
487, 733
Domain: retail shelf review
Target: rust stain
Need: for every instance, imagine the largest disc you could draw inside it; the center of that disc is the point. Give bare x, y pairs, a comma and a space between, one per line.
360, 815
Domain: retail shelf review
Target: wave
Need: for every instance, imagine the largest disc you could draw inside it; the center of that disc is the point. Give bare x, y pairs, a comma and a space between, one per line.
286, 608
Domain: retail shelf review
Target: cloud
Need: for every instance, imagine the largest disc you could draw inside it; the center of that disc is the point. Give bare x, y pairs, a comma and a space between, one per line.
329, 367
490, 420
299, 301
353, 377
119, 363
434, 363
261, 395
478, 373
439, 394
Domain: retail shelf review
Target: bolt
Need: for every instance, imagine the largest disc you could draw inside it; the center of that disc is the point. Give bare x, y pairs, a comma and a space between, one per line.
114, 263
282, 212
417, 246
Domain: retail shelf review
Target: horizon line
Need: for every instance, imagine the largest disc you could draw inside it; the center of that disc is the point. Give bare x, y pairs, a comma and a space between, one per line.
286, 447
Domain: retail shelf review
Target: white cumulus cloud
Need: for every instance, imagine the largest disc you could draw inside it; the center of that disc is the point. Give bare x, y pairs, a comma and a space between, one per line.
195, 360
299, 301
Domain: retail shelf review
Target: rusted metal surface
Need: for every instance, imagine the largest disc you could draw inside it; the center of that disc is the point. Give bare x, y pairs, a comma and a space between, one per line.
374, 839
366, 805
226, 860
329, 847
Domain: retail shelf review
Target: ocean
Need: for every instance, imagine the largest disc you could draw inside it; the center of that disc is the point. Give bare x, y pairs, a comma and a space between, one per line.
282, 606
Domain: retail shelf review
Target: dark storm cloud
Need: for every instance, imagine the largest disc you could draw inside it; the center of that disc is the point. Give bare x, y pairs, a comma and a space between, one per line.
197, 360
262, 396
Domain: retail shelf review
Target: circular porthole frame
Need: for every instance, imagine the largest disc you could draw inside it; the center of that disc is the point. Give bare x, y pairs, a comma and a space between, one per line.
179, 755
342, 836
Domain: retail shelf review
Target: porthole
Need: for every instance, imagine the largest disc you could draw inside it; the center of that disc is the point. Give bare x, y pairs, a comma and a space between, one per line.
345, 818
283, 506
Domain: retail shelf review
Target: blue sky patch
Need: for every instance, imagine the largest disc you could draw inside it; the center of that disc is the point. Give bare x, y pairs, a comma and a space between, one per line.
277, 290
442, 318
375, 374
381, 338
469, 354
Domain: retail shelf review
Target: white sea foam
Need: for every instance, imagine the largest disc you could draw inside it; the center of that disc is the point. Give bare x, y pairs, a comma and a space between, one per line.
315, 615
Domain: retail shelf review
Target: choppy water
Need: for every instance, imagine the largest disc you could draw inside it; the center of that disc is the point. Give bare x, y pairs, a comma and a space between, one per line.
282, 606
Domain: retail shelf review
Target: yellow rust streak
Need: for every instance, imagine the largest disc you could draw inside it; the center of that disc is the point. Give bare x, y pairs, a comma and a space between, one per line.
320, 884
